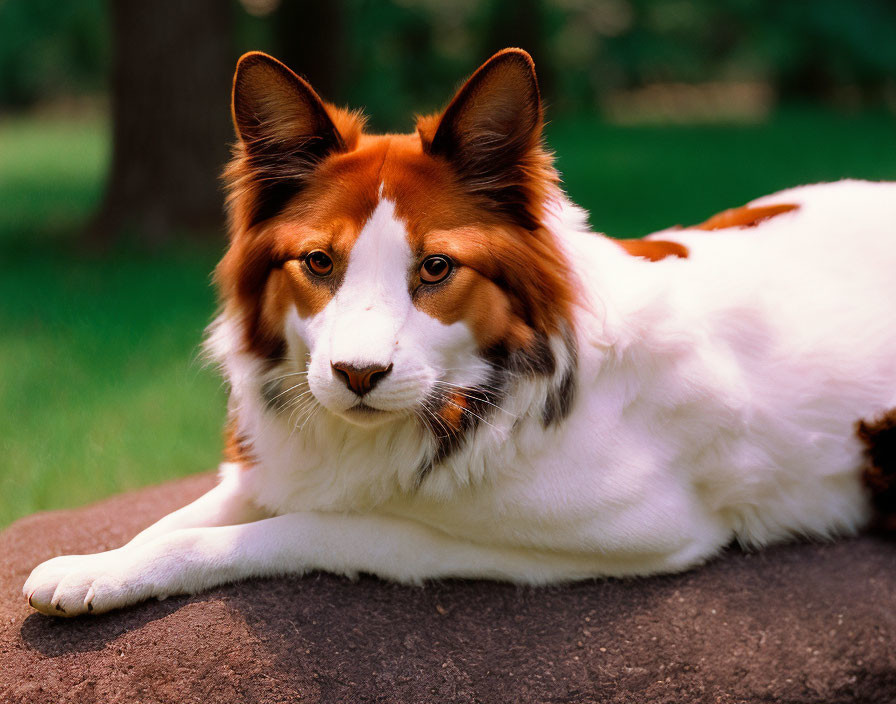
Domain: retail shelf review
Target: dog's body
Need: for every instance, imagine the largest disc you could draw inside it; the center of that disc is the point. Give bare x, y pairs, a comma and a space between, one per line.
552, 407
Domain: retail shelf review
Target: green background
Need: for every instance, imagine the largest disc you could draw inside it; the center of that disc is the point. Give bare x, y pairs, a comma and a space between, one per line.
102, 383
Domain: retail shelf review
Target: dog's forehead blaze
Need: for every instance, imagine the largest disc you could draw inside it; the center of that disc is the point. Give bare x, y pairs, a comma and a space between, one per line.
348, 187
438, 217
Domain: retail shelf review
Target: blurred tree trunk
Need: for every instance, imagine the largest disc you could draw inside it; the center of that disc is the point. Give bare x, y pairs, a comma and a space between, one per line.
310, 39
172, 67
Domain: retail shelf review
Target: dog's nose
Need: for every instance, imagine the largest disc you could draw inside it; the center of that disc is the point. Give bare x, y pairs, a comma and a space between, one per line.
360, 379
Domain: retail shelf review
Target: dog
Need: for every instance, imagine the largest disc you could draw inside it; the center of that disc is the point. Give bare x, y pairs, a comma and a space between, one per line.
437, 370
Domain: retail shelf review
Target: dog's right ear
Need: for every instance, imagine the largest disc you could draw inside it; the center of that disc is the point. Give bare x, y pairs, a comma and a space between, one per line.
278, 116
285, 131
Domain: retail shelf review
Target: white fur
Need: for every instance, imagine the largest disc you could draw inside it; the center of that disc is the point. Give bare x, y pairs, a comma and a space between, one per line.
372, 320
717, 397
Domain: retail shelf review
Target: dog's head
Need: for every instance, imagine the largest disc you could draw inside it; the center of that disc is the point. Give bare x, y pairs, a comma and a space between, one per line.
394, 275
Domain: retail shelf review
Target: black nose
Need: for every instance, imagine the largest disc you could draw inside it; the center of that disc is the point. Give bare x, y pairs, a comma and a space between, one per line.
360, 379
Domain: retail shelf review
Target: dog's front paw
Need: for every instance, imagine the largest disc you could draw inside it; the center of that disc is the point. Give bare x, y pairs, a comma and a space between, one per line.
76, 584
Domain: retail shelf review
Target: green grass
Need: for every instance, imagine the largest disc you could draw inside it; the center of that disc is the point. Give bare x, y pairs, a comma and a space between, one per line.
101, 389
51, 176
635, 180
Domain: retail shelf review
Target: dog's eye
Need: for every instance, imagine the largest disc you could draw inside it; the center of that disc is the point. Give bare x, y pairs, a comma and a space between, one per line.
435, 268
319, 263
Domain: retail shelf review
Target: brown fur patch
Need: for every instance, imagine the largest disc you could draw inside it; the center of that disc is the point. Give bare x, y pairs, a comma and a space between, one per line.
453, 410
654, 250
237, 448
745, 216
879, 437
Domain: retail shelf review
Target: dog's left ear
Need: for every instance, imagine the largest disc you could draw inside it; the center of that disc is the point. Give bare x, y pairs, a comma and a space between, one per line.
491, 126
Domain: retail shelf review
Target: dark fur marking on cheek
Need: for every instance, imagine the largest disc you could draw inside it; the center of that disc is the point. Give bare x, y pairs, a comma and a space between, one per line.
281, 393
479, 401
483, 401
535, 359
269, 348
879, 437
560, 398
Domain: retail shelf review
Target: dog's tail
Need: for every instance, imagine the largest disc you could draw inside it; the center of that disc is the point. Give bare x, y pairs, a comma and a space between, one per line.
879, 476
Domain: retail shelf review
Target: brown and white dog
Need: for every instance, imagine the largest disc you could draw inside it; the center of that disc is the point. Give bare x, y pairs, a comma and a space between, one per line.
436, 369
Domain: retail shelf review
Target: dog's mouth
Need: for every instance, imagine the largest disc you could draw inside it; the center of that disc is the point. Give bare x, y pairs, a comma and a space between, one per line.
367, 416
364, 409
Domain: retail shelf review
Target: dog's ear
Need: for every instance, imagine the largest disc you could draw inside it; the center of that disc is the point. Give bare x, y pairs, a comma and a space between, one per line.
494, 119
491, 134
276, 111
284, 127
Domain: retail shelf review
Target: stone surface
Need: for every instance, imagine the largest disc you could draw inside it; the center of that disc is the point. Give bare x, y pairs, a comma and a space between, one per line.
796, 623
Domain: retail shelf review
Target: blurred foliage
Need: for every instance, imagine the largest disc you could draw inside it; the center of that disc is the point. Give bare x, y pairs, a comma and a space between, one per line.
397, 56
51, 49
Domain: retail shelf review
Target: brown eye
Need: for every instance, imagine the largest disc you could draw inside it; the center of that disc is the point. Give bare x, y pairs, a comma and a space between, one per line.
435, 268
319, 263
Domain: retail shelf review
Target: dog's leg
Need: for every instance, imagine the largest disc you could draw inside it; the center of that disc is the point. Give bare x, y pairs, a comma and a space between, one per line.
225, 504
192, 559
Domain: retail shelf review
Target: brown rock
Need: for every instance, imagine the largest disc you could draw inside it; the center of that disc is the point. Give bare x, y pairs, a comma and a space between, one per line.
797, 623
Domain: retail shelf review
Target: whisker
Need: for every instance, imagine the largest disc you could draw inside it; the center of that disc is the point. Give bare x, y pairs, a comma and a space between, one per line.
285, 376
306, 416
295, 403
291, 388
483, 384
439, 421
299, 400
311, 415
301, 410
467, 393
